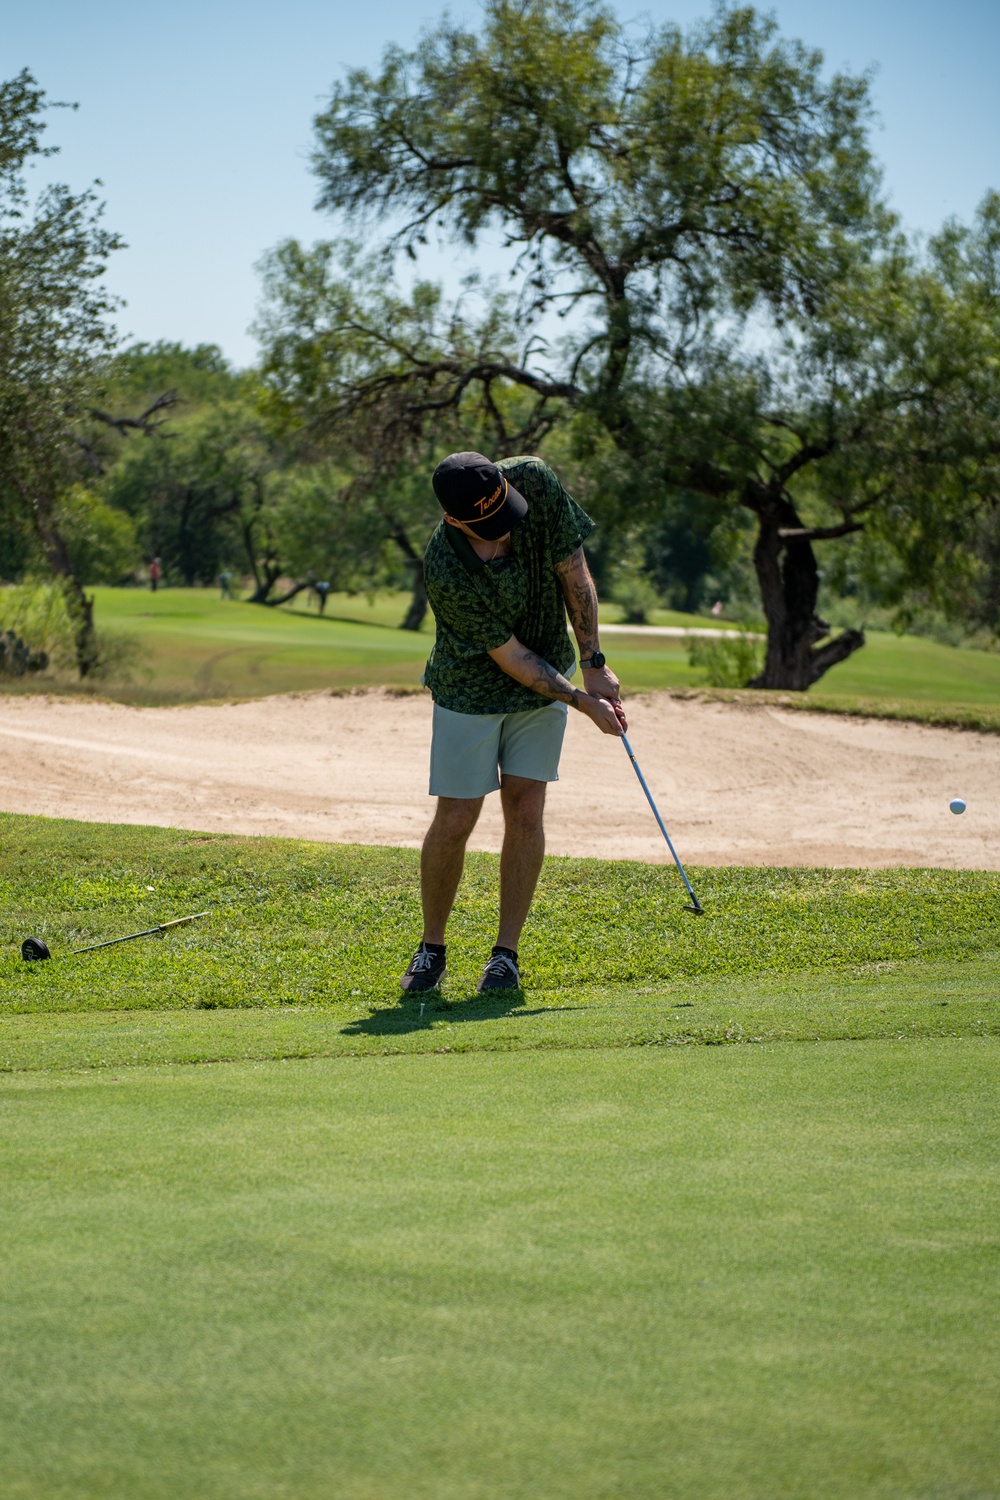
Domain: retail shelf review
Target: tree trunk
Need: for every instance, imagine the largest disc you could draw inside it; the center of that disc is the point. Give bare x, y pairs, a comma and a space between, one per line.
789, 585
79, 608
418, 604
266, 571
265, 578
296, 588
186, 543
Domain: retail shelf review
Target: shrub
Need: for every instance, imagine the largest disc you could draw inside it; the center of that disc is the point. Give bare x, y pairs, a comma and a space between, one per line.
728, 660
34, 613
636, 595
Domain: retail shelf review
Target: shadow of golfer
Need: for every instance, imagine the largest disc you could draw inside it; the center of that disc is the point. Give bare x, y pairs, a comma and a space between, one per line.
419, 1012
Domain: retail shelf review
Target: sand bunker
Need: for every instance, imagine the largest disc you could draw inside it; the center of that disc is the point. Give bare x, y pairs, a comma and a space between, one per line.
736, 784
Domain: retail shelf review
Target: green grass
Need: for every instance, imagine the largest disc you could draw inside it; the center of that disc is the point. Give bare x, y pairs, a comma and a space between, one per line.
706, 1213
748, 1274
917, 669
985, 718
891, 1000
195, 647
309, 940
908, 676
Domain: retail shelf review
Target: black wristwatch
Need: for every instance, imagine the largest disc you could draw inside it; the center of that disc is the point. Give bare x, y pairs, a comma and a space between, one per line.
597, 660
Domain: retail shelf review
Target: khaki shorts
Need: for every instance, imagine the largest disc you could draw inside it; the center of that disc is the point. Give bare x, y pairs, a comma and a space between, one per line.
470, 752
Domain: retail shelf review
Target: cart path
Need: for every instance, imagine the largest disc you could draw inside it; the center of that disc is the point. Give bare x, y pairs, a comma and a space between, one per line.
735, 784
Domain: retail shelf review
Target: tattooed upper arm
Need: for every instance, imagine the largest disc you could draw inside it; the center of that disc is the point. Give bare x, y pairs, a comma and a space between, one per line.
581, 599
570, 564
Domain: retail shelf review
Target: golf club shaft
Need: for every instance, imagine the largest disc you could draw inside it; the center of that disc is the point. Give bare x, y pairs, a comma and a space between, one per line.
649, 798
148, 932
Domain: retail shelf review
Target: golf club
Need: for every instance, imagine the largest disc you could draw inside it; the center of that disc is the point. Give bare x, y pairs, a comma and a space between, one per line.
33, 950
696, 906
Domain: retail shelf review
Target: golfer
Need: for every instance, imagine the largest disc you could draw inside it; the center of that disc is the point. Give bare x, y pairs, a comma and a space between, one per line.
503, 568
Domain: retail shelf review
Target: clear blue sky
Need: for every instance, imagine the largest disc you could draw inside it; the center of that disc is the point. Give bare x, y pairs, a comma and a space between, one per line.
197, 118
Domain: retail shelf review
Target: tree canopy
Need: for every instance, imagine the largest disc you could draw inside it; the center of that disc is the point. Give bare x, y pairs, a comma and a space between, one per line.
742, 319
649, 179
56, 339
714, 326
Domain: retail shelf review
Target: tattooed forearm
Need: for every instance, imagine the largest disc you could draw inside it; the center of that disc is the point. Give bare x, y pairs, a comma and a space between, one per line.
581, 601
527, 667
544, 679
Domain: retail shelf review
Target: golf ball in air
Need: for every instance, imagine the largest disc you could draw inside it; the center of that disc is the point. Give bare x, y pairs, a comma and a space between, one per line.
957, 804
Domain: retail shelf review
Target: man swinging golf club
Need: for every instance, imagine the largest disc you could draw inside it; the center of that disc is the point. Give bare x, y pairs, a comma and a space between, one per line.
503, 568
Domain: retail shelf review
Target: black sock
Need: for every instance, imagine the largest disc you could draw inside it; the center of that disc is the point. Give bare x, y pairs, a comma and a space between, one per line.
499, 952
433, 947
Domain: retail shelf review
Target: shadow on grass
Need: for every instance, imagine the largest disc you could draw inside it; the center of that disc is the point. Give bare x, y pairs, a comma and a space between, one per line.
419, 1012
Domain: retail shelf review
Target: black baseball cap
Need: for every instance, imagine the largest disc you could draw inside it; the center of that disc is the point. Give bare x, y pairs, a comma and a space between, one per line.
472, 489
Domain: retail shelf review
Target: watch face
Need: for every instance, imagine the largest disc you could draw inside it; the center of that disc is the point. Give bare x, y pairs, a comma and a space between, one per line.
597, 660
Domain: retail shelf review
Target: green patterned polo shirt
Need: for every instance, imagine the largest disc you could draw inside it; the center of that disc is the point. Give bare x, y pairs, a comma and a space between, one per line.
479, 605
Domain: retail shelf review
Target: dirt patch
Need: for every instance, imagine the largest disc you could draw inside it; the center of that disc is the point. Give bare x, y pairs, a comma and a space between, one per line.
736, 784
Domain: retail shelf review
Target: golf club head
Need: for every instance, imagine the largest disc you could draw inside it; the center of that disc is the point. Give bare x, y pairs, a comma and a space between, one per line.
695, 908
34, 949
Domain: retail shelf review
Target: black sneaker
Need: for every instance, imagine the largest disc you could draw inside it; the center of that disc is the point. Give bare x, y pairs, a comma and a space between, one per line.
425, 972
501, 973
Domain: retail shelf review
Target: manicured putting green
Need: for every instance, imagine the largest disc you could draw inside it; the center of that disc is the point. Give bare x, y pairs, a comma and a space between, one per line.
755, 1272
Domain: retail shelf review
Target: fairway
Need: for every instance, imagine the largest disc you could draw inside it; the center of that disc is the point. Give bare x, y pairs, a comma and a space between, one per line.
704, 1214
755, 1272
194, 647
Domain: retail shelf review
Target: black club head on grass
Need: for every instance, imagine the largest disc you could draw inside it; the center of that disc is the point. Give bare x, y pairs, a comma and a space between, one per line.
33, 949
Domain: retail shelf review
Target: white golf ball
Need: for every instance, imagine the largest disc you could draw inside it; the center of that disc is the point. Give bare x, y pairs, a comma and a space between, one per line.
957, 804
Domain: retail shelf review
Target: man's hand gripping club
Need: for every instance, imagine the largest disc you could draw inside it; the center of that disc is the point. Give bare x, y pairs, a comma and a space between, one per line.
529, 668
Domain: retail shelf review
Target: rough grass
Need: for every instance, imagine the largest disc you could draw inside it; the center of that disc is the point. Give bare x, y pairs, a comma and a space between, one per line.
757, 1273
309, 940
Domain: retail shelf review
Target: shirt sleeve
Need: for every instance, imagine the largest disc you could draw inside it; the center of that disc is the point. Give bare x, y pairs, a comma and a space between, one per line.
573, 526
569, 524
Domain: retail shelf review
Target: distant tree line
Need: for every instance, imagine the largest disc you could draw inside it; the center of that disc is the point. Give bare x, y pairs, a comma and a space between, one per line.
762, 389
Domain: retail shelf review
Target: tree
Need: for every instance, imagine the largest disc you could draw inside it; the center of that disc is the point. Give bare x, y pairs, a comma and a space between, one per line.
942, 513
199, 498
101, 541
55, 340
203, 498
883, 417
384, 382
200, 376
666, 194
356, 535
223, 490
